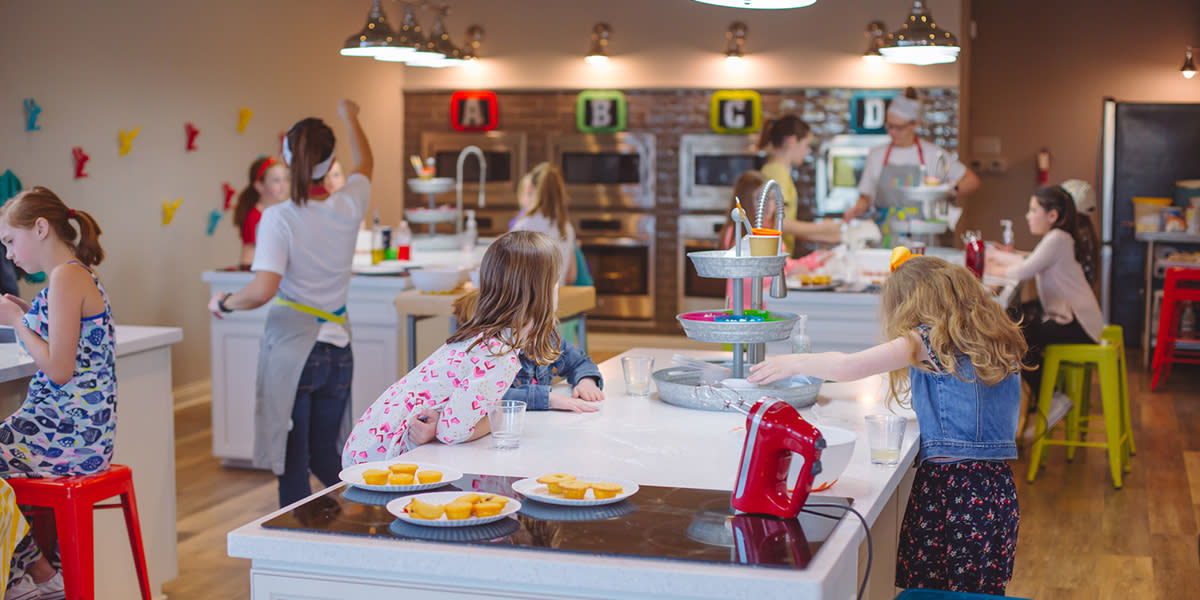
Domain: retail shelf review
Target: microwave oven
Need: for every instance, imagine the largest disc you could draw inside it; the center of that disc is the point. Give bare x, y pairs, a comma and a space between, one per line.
505, 152
839, 167
604, 171
709, 164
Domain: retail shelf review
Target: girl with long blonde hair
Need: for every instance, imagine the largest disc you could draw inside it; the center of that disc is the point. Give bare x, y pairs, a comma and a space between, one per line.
542, 195
957, 355
448, 394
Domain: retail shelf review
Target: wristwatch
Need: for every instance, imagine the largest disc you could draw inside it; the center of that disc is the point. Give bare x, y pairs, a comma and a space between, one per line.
221, 303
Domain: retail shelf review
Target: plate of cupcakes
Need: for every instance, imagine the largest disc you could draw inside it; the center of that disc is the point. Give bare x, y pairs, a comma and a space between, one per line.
569, 490
398, 476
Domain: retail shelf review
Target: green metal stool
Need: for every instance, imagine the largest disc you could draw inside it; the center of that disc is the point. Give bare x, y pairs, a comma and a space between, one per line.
1073, 365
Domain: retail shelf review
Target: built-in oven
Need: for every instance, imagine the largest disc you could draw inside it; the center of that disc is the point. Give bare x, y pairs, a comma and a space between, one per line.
504, 151
839, 166
606, 171
709, 164
619, 250
698, 232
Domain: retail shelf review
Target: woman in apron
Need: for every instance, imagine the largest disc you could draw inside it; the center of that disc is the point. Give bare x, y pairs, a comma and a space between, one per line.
302, 264
906, 161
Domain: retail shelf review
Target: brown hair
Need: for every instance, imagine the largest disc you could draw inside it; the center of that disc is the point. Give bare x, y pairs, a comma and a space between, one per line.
777, 131
38, 202
911, 93
249, 195
311, 141
1054, 197
549, 195
744, 188
515, 300
962, 316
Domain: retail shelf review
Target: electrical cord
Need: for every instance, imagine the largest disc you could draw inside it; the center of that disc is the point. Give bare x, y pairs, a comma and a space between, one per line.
862, 589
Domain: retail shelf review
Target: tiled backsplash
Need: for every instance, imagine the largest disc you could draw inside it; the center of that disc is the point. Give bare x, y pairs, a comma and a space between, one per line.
669, 114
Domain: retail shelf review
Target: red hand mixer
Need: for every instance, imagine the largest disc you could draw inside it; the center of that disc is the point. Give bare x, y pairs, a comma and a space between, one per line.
774, 431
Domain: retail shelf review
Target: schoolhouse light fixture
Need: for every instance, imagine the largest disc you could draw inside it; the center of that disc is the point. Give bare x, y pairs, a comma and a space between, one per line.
1188, 70
374, 37
919, 41
876, 31
736, 38
598, 54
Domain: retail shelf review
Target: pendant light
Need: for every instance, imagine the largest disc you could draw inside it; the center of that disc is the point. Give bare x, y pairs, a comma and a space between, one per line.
919, 41
404, 41
1188, 70
598, 54
374, 37
736, 36
876, 31
763, 4
471, 47
451, 54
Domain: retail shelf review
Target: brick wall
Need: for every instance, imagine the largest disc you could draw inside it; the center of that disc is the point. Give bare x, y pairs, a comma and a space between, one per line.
669, 114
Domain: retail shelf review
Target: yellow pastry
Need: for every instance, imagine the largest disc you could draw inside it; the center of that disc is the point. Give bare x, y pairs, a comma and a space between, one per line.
605, 489
409, 468
575, 489
555, 477
459, 510
425, 510
375, 477
488, 509
501, 500
470, 498
429, 476
806, 280
400, 479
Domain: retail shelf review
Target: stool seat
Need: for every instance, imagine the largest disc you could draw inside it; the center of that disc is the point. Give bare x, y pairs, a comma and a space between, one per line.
1181, 285
71, 500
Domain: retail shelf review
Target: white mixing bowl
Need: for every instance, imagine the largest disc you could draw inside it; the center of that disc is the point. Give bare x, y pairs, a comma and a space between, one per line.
437, 281
836, 455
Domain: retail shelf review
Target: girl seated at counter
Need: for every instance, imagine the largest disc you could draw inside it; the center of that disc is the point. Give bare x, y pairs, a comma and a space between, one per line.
957, 353
448, 394
268, 186
542, 195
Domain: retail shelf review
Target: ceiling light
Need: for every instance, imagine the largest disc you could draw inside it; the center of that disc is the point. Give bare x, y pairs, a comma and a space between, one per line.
1189, 68
919, 41
471, 48
598, 54
374, 37
764, 4
440, 41
736, 37
876, 31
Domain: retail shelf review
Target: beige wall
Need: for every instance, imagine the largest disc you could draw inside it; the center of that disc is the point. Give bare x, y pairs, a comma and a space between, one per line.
540, 44
1038, 74
96, 67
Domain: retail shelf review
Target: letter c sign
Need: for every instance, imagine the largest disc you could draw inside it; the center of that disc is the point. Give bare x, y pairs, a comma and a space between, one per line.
736, 111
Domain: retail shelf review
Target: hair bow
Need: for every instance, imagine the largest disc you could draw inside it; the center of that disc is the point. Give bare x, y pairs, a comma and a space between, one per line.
900, 254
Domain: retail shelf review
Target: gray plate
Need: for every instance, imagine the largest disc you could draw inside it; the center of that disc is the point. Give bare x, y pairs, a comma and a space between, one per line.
717, 264
677, 385
745, 333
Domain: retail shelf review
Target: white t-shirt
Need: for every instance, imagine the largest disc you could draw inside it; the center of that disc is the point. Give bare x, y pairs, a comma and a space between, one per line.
312, 246
566, 247
873, 167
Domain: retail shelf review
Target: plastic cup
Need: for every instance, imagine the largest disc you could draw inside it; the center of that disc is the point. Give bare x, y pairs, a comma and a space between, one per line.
507, 419
764, 245
637, 374
885, 434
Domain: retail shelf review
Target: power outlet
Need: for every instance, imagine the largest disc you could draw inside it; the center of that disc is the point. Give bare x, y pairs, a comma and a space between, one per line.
989, 165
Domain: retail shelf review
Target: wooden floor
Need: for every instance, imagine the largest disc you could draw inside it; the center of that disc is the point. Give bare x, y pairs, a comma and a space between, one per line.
1079, 539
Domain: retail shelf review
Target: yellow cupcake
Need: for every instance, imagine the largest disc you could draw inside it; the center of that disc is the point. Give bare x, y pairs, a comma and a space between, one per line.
375, 477
459, 510
555, 477
425, 510
605, 489
488, 509
429, 476
470, 498
806, 280
575, 489
409, 468
501, 500
400, 479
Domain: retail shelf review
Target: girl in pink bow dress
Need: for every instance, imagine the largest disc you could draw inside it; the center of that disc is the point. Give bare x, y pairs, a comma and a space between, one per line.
448, 395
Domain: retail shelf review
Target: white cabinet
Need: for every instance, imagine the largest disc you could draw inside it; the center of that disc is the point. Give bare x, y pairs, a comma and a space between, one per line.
234, 346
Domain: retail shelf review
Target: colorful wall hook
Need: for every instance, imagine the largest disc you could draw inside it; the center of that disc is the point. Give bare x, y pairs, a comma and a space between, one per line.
244, 116
32, 110
229, 192
81, 159
125, 138
169, 209
214, 217
192, 132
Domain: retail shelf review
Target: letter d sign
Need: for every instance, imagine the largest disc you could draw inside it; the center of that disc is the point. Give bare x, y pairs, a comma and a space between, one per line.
600, 111
736, 111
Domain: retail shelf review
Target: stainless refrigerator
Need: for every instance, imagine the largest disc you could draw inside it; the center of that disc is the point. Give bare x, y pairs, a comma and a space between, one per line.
1144, 149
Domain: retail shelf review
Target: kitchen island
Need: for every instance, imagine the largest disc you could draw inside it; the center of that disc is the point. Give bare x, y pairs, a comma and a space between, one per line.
641, 439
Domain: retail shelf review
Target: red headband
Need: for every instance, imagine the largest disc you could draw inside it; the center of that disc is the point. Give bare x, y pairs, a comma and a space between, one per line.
70, 213
263, 168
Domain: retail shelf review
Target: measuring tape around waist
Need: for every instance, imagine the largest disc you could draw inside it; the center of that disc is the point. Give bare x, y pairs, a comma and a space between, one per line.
338, 316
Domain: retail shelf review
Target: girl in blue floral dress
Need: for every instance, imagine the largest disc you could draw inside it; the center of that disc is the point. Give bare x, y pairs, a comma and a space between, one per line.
68, 421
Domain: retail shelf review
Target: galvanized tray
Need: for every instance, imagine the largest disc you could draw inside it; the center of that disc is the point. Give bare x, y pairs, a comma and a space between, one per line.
717, 264
735, 333
678, 385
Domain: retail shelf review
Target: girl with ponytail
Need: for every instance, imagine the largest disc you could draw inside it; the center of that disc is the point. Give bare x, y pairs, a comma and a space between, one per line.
68, 422
787, 141
268, 186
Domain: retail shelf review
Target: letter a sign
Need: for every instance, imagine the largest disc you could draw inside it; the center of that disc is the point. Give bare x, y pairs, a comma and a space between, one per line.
600, 111
736, 111
474, 110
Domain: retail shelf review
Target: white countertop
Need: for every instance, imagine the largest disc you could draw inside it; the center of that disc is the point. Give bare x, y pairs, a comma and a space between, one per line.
642, 439
131, 339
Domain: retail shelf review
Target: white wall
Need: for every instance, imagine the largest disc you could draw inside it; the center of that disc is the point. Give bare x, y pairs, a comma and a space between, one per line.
540, 44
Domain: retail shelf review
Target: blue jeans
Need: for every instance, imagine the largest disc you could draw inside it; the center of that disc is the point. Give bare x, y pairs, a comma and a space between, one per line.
316, 418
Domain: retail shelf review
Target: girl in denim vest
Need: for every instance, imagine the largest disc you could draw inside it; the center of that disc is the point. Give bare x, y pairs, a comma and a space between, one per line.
956, 353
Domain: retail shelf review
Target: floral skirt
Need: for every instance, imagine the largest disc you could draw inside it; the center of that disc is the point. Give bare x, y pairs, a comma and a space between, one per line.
960, 528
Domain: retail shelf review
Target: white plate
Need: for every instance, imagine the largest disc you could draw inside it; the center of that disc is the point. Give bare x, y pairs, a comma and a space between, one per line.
387, 267
530, 488
396, 507
431, 215
353, 476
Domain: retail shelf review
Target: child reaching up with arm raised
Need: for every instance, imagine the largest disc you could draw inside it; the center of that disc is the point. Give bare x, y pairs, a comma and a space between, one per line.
959, 355
448, 394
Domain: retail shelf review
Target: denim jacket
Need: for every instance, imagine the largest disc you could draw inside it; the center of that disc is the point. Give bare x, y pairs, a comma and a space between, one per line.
532, 385
964, 419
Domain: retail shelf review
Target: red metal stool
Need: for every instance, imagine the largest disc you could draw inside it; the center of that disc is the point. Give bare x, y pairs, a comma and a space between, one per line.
70, 500
1182, 285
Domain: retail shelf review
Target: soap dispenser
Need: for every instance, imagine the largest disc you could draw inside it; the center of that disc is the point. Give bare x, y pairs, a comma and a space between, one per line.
800, 342
1008, 232
471, 234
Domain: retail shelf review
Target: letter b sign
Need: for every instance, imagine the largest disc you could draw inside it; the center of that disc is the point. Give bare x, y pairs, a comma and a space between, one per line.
600, 111
736, 111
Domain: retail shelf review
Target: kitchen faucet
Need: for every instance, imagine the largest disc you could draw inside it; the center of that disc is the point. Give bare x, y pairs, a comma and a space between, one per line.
458, 180
778, 284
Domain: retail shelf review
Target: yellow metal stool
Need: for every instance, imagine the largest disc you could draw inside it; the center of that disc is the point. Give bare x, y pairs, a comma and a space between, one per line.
1073, 363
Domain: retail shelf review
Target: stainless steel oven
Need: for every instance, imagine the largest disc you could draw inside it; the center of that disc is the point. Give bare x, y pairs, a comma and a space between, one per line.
506, 155
694, 293
709, 164
606, 171
839, 167
619, 251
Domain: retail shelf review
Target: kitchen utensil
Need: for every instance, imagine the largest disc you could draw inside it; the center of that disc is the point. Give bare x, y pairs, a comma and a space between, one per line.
775, 431
708, 372
685, 387
741, 214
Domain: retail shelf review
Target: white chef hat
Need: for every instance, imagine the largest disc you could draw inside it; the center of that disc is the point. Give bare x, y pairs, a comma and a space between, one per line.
906, 108
1081, 192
